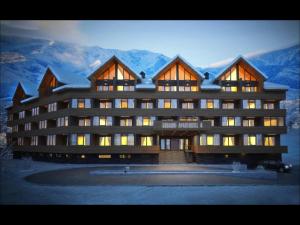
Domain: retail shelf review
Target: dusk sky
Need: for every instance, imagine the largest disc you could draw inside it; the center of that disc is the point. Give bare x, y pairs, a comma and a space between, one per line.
202, 43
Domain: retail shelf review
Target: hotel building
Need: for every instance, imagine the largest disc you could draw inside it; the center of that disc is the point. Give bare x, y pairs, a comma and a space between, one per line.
116, 115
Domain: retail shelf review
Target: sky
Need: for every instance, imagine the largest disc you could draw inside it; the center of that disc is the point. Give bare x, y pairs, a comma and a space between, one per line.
202, 42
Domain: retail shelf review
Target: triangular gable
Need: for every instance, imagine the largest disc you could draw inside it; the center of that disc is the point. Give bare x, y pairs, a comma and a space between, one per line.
174, 60
109, 62
236, 61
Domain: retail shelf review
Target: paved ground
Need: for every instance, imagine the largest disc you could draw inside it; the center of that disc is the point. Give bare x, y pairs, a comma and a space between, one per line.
137, 189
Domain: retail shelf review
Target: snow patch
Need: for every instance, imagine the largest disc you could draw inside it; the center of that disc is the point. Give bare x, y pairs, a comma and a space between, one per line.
95, 63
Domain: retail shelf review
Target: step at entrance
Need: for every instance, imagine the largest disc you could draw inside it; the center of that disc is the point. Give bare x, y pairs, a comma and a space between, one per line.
172, 157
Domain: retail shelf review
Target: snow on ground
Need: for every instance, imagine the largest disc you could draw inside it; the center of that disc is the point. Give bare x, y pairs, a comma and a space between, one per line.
15, 190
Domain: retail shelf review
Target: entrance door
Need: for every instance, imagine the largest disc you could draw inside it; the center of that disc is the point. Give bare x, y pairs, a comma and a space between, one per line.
174, 143
184, 144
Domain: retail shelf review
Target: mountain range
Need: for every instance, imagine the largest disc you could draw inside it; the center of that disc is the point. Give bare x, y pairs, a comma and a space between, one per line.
24, 58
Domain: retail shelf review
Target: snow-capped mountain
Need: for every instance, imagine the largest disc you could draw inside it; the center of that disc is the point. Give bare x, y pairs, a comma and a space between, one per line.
281, 66
24, 58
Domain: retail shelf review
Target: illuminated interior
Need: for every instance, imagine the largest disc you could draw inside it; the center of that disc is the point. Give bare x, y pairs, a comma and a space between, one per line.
124, 103
167, 104
109, 74
80, 140
228, 141
210, 104
105, 141
80, 103
251, 140
123, 74
230, 121
270, 122
147, 141
124, 140
53, 82
146, 121
251, 104
269, 141
209, 140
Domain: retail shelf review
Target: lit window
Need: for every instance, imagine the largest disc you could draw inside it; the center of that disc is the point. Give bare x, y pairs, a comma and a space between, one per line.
167, 104
228, 141
80, 140
126, 122
251, 104
80, 103
230, 121
269, 106
269, 141
124, 104
104, 156
124, 140
120, 88
105, 141
147, 141
210, 140
251, 140
146, 121
210, 104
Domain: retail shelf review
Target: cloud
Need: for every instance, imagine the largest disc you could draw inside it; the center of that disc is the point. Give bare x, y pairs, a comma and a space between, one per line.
60, 30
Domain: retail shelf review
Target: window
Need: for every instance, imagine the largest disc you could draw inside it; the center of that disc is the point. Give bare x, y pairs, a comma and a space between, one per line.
231, 121
22, 115
27, 126
52, 107
227, 105
209, 103
53, 82
230, 89
145, 121
269, 141
80, 139
84, 122
207, 140
251, 104
43, 124
167, 88
188, 105
248, 123
125, 88
269, 105
108, 74
105, 141
105, 105
126, 122
147, 141
124, 139
273, 121
105, 88
62, 121
249, 89
104, 156
167, 103
34, 140
20, 141
147, 105
35, 111
123, 74
252, 139
102, 121
228, 141
124, 103
81, 103
51, 139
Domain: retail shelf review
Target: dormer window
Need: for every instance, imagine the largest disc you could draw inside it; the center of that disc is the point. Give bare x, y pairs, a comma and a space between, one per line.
53, 82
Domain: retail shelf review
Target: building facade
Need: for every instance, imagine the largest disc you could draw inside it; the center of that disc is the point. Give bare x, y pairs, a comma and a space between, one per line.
117, 115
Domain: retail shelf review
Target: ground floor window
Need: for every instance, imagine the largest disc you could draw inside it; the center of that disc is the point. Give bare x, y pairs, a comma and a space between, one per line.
34, 140
213, 139
228, 141
80, 139
147, 141
51, 140
105, 141
20, 141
